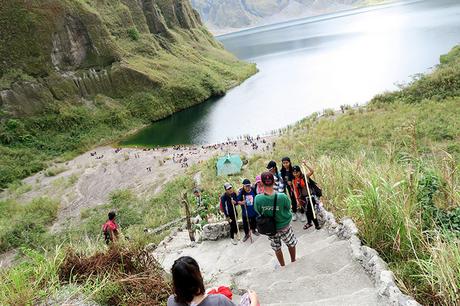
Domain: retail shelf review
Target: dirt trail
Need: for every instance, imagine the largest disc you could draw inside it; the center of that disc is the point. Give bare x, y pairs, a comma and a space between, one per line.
88, 180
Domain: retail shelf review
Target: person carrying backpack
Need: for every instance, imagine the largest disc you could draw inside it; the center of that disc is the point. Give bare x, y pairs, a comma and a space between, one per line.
245, 198
229, 201
110, 229
273, 204
305, 195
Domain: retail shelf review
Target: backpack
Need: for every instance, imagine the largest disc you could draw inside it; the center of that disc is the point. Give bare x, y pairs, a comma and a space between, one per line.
315, 189
106, 233
267, 225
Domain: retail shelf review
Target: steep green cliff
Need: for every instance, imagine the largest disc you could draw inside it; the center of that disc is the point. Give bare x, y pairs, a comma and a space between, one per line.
82, 70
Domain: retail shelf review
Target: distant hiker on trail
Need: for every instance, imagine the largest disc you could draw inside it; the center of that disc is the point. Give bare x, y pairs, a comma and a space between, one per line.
264, 204
273, 169
305, 195
288, 177
258, 186
245, 198
229, 201
110, 229
189, 289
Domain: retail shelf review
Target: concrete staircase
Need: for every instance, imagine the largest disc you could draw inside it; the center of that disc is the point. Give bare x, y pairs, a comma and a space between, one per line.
324, 273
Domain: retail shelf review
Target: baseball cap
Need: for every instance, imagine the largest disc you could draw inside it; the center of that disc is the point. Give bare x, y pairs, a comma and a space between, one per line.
227, 186
246, 182
271, 164
296, 168
258, 179
267, 179
195, 190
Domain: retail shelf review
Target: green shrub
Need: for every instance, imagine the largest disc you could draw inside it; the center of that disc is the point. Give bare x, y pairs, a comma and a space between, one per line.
329, 112
53, 171
133, 33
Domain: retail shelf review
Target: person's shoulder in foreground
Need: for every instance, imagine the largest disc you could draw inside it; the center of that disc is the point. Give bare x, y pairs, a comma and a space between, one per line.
282, 196
210, 300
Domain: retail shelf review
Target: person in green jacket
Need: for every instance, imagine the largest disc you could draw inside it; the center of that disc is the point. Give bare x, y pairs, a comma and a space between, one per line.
263, 204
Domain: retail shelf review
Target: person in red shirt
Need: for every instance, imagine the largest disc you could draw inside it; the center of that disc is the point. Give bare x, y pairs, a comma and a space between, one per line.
302, 197
110, 229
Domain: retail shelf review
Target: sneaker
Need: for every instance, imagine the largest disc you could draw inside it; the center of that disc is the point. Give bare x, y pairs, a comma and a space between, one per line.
303, 218
234, 242
318, 227
245, 238
256, 233
294, 217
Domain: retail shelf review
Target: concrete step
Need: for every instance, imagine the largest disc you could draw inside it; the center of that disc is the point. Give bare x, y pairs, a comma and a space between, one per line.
326, 260
324, 273
312, 288
364, 297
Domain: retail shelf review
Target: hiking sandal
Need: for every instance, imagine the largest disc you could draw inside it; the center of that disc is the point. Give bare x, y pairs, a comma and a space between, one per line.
307, 226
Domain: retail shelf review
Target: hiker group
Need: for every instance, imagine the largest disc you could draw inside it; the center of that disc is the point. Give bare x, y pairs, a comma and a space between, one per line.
269, 206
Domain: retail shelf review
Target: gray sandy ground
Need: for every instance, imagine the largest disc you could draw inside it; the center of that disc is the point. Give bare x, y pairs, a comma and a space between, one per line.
87, 182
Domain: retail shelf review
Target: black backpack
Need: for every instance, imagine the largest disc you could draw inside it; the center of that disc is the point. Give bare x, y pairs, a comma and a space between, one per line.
315, 189
267, 225
106, 233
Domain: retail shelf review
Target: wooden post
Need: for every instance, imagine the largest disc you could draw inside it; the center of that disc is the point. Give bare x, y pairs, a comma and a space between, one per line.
191, 232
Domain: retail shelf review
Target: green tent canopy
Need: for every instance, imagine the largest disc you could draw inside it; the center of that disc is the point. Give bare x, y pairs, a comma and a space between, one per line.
230, 164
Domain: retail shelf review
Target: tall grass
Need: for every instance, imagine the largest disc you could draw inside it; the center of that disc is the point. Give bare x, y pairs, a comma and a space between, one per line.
33, 279
441, 268
26, 225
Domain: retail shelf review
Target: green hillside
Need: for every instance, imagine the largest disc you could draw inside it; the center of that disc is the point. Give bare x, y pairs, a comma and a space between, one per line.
76, 73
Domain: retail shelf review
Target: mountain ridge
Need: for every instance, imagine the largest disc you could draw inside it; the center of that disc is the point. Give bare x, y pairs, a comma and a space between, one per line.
228, 16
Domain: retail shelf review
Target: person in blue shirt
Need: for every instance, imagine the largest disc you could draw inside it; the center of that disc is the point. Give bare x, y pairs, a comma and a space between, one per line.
245, 198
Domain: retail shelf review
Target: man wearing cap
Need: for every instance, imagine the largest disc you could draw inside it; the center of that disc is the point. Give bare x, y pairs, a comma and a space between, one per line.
229, 202
245, 198
263, 204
